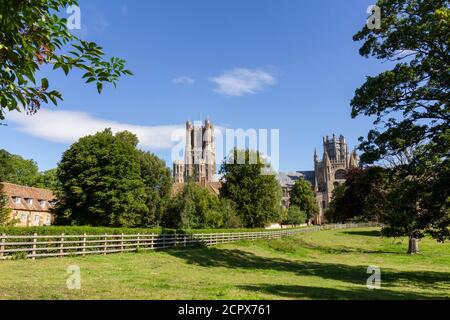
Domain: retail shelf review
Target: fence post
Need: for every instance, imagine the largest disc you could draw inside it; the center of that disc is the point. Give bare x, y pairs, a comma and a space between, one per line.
152, 241
61, 245
164, 240
105, 244
34, 246
84, 245
138, 240
2, 245
121, 243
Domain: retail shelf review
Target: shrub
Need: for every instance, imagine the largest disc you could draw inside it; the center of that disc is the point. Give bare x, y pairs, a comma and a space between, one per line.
69, 230
196, 207
295, 216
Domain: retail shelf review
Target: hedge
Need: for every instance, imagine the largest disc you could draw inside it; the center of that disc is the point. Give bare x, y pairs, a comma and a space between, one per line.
79, 230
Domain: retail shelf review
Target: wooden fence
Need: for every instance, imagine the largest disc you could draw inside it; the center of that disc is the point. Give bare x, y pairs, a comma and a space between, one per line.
40, 246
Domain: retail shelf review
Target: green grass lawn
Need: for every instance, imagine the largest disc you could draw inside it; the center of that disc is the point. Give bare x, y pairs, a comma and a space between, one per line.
323, 265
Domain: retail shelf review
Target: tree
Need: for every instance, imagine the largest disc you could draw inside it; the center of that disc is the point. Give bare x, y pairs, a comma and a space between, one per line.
157, 180
47, 180
5, 164
32, 36
361, 196
334, 212
5, 212
197, 207
229, 215
302, 196
410, 104
101, 182
257, 195
16, 169
413, 205
295, 216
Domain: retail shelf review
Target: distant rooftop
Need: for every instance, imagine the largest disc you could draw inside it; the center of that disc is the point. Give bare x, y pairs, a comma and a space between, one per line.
287, 179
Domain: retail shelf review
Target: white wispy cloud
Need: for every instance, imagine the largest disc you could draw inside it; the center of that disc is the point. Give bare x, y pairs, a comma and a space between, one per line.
242, 81
69, 126
184, 80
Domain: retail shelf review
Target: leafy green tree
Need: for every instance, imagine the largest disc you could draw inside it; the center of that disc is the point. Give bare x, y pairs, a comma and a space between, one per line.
4, 210
33, 36
410, 104
302, 196
257, 196
18, 170
230, 217
157, 179
101, 182
47, 180
334, 212
295, 216
361, 195
195, 207
15, 169
4, 214
5, 164
412, 205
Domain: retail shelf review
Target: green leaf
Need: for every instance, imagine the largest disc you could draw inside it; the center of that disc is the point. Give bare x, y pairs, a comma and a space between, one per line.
65, 67
44, 83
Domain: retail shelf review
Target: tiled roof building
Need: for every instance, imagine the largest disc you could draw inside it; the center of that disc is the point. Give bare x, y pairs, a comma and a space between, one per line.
29, 206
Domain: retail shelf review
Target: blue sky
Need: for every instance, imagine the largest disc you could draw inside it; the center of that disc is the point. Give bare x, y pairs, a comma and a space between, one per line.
265, 64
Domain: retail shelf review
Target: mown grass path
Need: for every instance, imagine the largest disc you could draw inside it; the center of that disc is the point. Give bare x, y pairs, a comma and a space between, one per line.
323, 265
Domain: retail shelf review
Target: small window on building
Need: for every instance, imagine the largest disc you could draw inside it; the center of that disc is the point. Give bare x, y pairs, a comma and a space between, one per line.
48, 219
17, 200
340, 175
29, 201
37, 220
43, 203
23, 217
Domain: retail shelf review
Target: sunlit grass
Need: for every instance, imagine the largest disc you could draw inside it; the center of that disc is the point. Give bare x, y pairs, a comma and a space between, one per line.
323, 265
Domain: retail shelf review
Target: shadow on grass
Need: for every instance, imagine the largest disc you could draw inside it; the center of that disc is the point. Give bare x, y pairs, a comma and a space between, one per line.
238, 259
367, 233
343, 249
304, 292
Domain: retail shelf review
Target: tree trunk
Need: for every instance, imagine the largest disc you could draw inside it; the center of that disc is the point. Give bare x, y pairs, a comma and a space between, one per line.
413, 245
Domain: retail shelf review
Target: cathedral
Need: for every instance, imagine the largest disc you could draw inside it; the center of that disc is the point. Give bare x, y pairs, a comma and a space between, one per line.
331, 170
199, 163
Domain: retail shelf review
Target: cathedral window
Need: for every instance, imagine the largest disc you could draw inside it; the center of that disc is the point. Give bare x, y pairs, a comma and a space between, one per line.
340, 175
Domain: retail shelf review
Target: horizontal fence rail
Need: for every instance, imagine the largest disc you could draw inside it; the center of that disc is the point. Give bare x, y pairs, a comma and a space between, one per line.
41, 246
